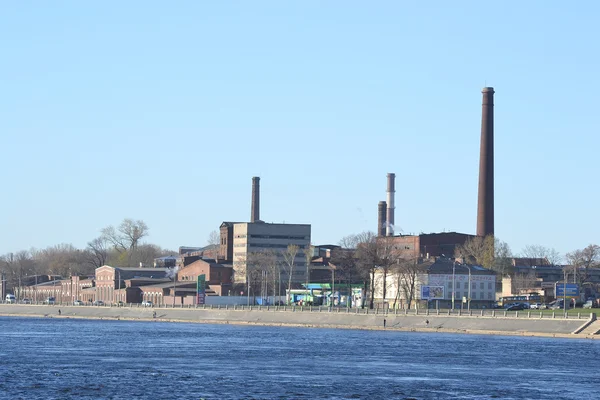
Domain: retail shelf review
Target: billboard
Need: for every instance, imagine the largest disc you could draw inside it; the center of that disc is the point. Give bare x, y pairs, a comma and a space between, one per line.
572, 290
432, 292
201, 288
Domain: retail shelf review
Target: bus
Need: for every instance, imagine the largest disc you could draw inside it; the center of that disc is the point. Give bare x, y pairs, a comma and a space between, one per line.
524, 298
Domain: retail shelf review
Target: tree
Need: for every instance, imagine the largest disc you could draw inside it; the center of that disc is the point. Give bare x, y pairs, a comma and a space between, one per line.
489, 252
127, 236
407, 274
522, 282
366, 256
386, 257
97, 252
308, 256
538, 252
586, 258
214, 241
289, 258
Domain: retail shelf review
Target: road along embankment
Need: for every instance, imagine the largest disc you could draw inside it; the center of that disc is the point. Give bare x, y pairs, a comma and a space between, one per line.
322, 318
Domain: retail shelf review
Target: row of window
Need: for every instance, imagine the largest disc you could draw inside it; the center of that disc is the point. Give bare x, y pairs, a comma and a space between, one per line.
474, 295
280, 237
473, 285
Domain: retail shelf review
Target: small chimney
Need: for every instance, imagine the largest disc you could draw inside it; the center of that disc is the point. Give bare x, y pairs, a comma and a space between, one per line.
485, 200
381, 218
255, 211
391, 190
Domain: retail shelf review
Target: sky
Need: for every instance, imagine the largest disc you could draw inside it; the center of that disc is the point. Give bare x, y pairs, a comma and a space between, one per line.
164, 111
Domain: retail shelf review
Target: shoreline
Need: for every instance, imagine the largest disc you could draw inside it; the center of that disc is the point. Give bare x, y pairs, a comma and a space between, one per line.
309, 325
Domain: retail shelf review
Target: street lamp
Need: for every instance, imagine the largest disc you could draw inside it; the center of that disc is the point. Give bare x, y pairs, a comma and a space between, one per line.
453, 283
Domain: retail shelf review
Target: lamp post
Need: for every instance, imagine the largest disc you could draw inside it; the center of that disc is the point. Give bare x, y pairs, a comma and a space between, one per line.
565, 290
453, 283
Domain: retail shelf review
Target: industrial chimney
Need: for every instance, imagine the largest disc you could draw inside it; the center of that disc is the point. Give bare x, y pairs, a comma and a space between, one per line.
390, 204
485, 201
381, 218
255, 211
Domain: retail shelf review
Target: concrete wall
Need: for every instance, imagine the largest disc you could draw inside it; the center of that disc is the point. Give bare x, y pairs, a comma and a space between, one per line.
337, 319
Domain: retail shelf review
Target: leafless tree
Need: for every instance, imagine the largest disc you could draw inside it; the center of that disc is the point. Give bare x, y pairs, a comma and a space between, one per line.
214, 241
127, 236
386, 257
489, 252
366, 255
407, 274
308, 257
523, 282
97, 252
289, 258
585, 259
542, 253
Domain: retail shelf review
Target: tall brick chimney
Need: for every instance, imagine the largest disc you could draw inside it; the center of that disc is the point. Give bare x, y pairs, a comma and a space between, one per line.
381, 218
255, 211
485, 200
391, 190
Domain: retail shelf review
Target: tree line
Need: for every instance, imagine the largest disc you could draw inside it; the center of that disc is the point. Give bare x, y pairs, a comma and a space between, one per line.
119, 246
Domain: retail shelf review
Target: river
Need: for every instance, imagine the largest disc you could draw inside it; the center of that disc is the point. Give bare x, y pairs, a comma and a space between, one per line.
53, 358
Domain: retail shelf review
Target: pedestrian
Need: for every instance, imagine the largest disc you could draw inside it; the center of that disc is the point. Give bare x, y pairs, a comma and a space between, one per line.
427, 322
384, 321
59, 311
154, 314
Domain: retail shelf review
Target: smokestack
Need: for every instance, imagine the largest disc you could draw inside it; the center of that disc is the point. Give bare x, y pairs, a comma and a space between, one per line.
485, 201
381, 218
390, 204
255, 212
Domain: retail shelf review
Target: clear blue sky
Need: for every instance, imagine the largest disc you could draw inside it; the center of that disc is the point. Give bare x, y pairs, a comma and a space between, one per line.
164, 112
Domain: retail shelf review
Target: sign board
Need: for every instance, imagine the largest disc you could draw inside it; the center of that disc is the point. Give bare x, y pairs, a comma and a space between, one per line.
201, 288
572, 290
432, 292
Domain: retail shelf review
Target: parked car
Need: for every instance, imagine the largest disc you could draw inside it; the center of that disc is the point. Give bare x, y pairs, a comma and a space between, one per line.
588, 304
98, 303
119, 303
26, 301
525, 306
11, 299
515, 307
78, 303
146, 303
50, 301
535, 306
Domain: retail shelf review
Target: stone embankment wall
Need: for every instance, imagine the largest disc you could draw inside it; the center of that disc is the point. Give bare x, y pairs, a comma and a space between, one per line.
499, 324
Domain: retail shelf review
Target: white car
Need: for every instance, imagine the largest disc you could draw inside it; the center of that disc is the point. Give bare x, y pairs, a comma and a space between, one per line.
536, 306
146, 303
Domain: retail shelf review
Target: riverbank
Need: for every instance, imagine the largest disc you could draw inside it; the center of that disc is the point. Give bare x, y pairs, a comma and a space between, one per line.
466, 324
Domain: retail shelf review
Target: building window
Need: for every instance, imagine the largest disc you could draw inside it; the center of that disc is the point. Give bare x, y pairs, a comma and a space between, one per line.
481, 285
458, 285
490, 296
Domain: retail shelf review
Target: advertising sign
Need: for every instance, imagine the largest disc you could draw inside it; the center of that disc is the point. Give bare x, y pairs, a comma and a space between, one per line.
432, 292
572, 290
201, 289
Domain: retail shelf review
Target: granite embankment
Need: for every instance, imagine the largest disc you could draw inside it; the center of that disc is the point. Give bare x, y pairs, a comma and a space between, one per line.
476, 324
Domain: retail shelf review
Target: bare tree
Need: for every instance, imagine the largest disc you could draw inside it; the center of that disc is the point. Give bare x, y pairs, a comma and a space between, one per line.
289, 258
489, 252
97, 252
523, 282
407, 275
308, 257
214, 241
387, 257
543, 254
366, 255
585, 259
127, 236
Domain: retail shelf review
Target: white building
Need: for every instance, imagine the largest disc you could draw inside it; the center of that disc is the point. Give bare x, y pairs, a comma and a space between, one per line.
434, 287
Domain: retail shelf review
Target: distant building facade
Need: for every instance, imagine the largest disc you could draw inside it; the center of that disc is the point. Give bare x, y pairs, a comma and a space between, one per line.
255, 237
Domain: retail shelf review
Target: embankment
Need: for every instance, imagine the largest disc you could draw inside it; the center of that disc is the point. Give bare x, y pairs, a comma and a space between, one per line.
476, 324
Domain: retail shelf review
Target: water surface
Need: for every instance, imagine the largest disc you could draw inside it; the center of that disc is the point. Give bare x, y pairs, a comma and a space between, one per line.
45, 358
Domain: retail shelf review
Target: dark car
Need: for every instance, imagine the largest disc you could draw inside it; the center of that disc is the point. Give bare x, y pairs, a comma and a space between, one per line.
515, 307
